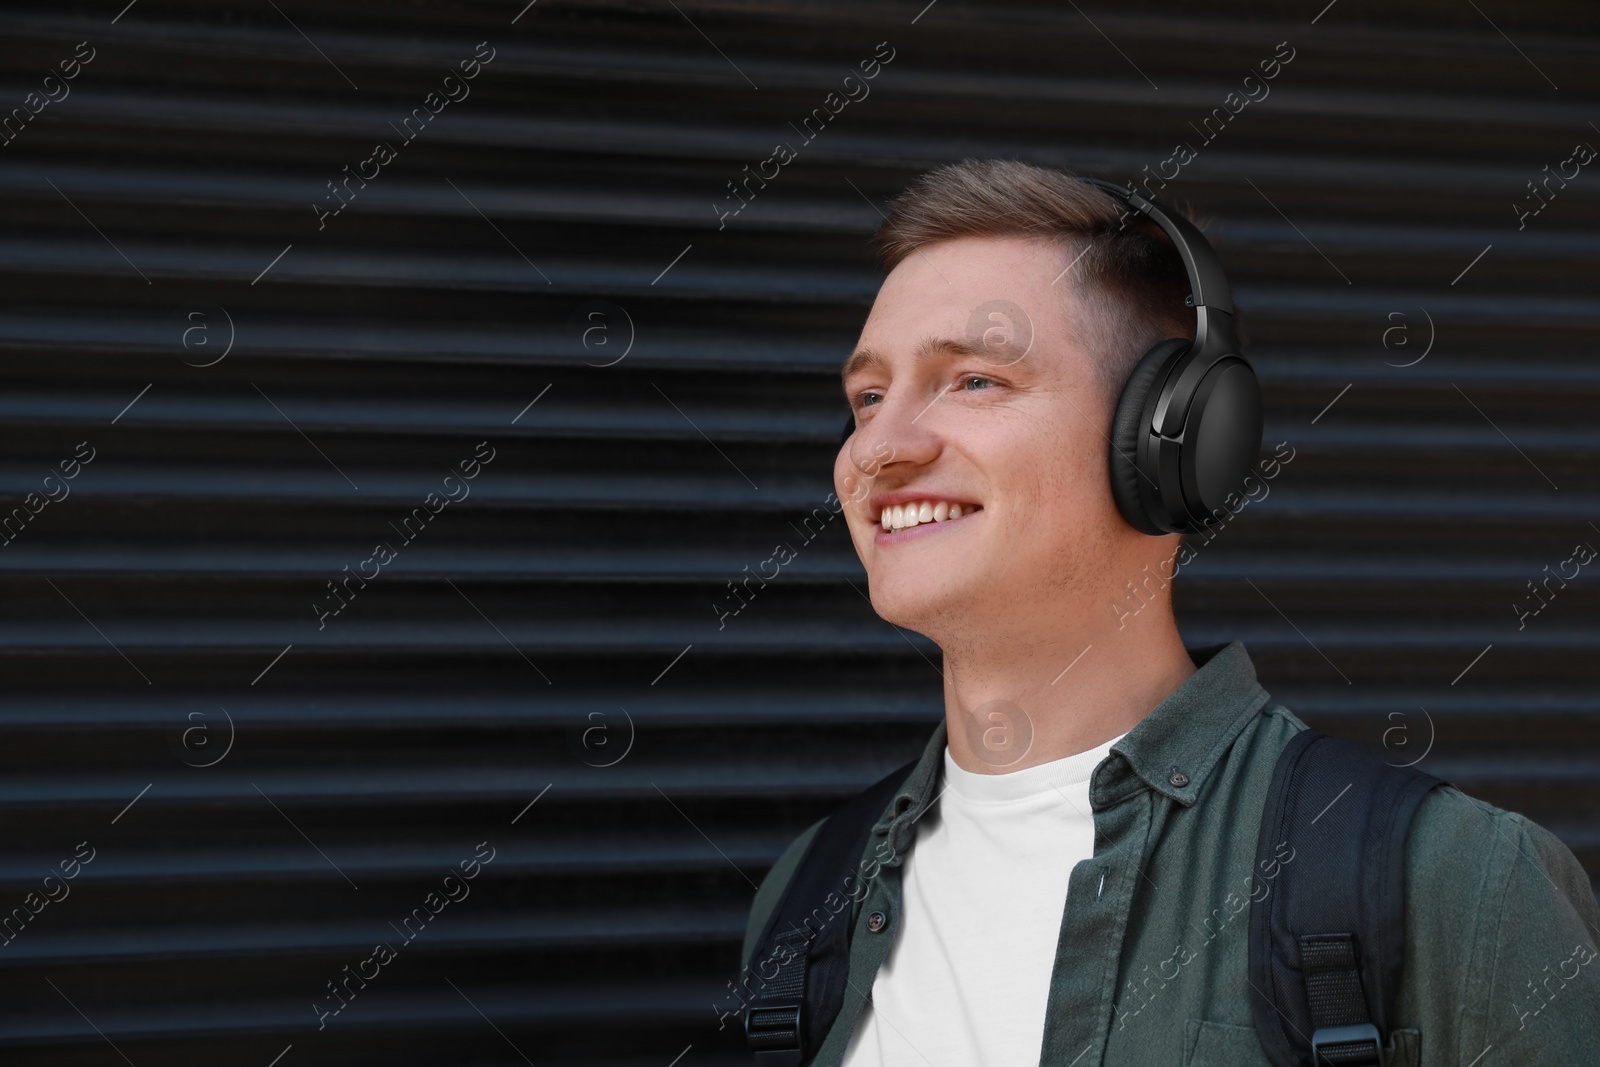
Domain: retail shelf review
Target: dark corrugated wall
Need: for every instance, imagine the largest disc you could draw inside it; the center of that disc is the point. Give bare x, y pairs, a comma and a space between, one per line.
273, 762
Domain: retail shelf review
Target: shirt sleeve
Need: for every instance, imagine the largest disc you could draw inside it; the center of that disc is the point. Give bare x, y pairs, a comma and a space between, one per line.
1502, 924
1543, 1000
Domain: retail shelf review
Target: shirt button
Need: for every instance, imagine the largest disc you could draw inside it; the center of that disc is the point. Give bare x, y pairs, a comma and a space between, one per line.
1179, 779
877, 921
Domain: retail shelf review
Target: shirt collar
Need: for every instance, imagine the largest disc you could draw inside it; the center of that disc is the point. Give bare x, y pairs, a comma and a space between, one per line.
1175, 748
1180, 740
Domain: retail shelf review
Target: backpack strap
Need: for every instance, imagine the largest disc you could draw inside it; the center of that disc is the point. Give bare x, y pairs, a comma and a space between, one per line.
803, 956
1327, 940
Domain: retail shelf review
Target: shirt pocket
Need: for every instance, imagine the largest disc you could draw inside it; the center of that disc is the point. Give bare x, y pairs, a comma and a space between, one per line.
1405, 1048
1209, 1044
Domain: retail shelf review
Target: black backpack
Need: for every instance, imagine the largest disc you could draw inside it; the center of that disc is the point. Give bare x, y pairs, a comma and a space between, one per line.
1326, 948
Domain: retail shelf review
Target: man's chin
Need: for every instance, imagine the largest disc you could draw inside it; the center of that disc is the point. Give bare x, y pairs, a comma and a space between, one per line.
919, 606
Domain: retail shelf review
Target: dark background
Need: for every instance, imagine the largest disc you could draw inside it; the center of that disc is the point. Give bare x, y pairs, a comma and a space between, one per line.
563, 615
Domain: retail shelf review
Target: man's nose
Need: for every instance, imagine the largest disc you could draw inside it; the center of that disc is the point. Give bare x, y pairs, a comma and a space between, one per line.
899, 431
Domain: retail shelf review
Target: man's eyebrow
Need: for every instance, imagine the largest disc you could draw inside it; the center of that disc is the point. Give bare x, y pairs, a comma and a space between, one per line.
928, 350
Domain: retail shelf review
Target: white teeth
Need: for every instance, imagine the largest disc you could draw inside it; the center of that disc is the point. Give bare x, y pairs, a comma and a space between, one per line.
906, 516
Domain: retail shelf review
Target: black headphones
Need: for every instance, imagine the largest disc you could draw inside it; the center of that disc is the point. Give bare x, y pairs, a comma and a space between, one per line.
1187, 428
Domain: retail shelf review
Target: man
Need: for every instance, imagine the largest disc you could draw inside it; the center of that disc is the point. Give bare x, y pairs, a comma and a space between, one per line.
1058, 879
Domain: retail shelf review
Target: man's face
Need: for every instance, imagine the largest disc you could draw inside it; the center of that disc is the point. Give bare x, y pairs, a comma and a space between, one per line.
979, 396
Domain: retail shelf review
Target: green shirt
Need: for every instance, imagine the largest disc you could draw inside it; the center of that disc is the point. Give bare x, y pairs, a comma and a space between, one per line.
1151, 963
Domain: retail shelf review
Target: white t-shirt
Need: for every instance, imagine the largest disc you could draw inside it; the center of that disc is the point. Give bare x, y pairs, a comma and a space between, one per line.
967, 980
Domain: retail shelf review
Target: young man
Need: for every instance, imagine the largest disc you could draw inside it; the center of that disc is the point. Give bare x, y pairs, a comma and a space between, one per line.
1064, 877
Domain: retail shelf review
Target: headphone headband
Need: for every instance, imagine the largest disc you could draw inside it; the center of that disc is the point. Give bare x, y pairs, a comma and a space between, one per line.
1209, 293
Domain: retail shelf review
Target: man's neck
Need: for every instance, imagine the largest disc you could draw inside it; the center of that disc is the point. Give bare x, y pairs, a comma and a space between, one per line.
1043, 697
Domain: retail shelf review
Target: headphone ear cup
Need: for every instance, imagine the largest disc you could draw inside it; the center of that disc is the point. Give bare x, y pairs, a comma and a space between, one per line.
1134, 491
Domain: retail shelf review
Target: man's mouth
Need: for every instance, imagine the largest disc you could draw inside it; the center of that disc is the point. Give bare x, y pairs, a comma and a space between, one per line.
921, 513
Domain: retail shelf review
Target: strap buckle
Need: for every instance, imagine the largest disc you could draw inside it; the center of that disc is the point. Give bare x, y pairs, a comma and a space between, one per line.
1347, 1046
773, 1033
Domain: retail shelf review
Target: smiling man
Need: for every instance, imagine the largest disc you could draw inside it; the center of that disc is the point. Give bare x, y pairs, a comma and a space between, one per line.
1065, 875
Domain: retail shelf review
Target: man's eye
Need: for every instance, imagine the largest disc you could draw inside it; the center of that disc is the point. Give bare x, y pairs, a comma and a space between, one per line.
968, 379
863, 399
